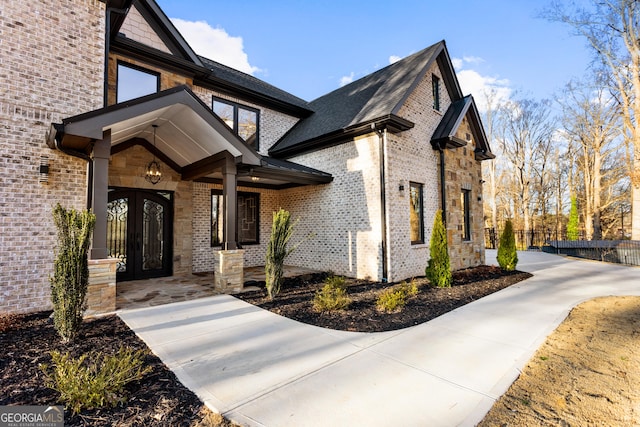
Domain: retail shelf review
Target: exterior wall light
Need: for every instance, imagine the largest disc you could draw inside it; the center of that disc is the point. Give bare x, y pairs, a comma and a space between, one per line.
401, 186
43, 174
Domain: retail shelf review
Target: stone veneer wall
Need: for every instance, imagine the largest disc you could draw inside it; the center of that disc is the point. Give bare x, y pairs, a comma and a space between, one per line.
136, 28
51, 67
126, 170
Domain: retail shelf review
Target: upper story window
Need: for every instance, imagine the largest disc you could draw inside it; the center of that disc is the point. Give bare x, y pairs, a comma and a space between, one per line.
241, 119
416, 213
134, 82
435, 87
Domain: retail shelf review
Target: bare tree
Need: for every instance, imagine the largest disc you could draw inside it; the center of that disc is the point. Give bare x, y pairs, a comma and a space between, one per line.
612, 29
490, 171
591, 122
524, 133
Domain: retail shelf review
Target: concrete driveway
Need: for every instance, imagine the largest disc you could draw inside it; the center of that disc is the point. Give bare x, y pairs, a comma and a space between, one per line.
260, 369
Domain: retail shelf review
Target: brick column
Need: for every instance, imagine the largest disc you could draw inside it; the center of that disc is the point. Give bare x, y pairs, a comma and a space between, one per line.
101, 295
228, 270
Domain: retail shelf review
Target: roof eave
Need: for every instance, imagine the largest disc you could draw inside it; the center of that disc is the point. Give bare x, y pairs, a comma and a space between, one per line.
391, 122
201, 75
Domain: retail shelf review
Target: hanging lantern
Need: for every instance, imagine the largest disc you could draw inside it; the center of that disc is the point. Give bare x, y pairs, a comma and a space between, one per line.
153, 172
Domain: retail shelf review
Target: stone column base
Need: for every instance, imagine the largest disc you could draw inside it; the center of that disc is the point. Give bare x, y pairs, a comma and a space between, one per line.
101, 295
228, 270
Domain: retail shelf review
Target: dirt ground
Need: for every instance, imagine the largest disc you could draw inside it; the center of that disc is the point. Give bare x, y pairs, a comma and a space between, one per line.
586, 373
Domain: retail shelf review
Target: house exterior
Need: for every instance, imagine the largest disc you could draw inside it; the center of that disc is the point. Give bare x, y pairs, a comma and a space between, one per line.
107, 91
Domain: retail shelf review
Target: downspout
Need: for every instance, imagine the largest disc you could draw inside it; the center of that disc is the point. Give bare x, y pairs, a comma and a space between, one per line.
443, 191
382, 134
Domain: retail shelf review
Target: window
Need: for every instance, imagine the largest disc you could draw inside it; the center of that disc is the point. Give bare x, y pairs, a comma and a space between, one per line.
242, 120
134, 82
465, 198
248, 211
416, 213
435, 87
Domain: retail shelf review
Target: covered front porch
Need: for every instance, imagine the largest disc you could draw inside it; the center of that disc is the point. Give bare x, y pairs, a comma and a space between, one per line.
157, 228
186, 287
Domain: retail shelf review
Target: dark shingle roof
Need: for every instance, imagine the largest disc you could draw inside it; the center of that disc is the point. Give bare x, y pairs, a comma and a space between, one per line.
372, 97
240, 79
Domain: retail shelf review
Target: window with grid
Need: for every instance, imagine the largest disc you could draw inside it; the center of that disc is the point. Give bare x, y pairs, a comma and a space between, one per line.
248, 220
435, 86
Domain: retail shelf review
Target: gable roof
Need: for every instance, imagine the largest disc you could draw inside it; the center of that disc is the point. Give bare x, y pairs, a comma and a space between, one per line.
445, 134
373, 100
206, 72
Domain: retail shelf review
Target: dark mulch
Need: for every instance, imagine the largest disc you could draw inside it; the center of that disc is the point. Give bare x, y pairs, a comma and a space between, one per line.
159, 399
296, 296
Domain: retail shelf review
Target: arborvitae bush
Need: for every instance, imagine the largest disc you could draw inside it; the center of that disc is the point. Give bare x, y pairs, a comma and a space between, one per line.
70, 279
507, 254
277, 251
573, 224
94, 380
438, 270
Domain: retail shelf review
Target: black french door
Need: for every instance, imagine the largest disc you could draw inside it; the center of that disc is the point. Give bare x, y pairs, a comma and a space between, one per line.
139, 232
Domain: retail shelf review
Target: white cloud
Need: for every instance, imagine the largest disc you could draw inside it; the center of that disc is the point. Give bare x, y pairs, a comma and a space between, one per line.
345, 80
394, 58
480, 86
215, 44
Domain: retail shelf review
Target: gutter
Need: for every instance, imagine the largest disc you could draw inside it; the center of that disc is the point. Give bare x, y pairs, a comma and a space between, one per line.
382, 134
54, 141
107, 48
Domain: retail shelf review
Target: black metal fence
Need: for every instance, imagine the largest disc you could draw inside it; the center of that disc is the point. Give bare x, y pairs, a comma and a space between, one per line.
617, 251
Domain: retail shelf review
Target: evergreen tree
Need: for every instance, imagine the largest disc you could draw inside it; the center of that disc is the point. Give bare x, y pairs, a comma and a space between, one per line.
281, 232
507, 254
70, 279
572, 225
438, 270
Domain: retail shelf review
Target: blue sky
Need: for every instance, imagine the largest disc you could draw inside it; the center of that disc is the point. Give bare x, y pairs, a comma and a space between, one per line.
310, 48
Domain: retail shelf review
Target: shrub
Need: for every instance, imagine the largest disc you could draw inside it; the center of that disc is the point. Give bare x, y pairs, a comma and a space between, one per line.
391, 299
394, 299
438, 270
507, 254
332, 296
277, 252
93, 380
573, 224
70, 278
410, 289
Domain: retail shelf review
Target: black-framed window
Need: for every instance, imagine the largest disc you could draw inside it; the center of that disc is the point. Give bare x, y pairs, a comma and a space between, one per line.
435, 87
416, 213
465, 199
243, 120
134, 82
248, 219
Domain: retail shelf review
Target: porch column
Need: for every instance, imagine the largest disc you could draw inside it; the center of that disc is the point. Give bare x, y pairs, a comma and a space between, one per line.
229, 194
99, 200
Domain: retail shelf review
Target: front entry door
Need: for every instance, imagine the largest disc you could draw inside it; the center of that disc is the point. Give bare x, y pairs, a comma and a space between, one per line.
139, 232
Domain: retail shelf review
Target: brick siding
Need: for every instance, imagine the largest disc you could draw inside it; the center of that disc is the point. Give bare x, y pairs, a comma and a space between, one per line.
51, 67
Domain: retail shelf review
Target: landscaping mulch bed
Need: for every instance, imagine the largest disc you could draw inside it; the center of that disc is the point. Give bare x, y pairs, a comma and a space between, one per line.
295, 300
25, 342
159, 399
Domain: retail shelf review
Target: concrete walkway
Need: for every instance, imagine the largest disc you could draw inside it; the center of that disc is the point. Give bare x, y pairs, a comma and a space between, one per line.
260, 369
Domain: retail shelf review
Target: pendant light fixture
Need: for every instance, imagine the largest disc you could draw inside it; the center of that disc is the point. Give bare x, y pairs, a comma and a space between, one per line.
153, 173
